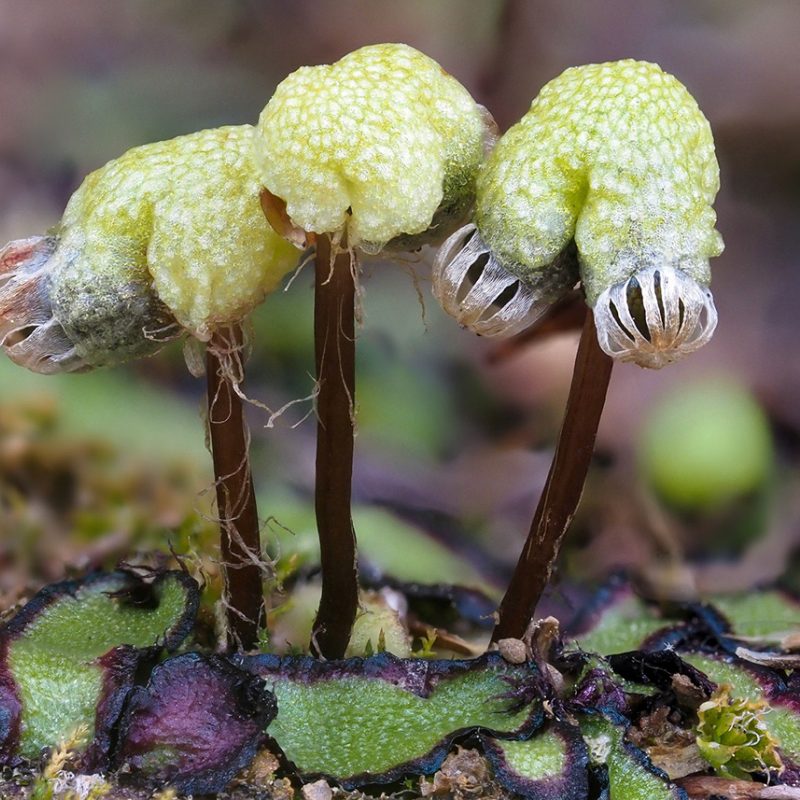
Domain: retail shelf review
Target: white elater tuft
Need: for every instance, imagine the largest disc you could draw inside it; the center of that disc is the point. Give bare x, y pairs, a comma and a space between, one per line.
655, 317
478, 292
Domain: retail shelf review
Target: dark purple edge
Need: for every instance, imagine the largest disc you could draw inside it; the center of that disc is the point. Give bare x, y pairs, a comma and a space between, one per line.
774, 684
415, 675
116, 682
431, 761
657, 668
616, 589
185, 623
54, 591
47, 595
643, 760
11, 706
588, 615
572, 783
685, 623
209, 781
722, 627
119, 667
471, 604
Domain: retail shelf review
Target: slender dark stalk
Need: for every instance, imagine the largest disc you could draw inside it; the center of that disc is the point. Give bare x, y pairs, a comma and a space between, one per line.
240, 542
334, 344
563, 488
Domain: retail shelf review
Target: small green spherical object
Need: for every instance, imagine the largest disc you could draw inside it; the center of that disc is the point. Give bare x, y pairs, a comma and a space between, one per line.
372, 145
706, 445
169, 237
617, 156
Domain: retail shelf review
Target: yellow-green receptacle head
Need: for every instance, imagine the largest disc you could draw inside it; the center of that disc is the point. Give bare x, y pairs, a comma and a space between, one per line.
608, 180
381, 147
169, 238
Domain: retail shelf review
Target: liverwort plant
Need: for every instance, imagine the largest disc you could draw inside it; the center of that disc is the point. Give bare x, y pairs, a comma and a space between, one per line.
167, 240
609, 181
377, 152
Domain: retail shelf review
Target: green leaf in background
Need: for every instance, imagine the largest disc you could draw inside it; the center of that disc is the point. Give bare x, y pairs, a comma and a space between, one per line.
760, 614
117, 407
397, 548
615, 621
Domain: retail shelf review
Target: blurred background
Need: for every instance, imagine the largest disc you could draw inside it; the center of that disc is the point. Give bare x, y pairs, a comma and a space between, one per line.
696, 464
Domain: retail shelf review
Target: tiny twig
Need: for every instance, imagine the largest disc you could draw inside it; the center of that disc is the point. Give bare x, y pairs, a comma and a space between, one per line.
707, 787
334, 342
240, 542
563, 488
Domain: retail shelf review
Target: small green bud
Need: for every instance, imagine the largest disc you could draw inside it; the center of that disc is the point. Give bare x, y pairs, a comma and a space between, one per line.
733, 737
618, 159
383, 145
168, 238
705, 445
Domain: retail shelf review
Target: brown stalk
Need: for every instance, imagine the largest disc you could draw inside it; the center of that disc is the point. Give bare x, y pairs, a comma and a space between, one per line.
240, 542
563, 488
334, 345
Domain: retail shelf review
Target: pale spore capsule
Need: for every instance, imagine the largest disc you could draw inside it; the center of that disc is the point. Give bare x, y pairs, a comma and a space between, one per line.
169, 238
609, 179
382, 147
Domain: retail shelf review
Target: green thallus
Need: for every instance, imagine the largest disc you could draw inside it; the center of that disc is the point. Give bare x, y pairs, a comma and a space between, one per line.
618, 159
169, 238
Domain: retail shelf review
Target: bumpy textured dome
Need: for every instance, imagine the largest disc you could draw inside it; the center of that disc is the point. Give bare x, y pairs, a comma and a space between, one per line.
608, 179
618, 156
189, 209
169, 235
376, 142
